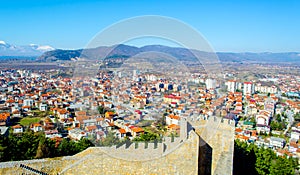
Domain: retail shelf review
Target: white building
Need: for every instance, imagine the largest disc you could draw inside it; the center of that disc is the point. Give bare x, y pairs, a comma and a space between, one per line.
210, 83
248, 88
43, 107
28, 102
295, 134
266, 89
263, 118
17, 129
277, 142
231, 85
172, 119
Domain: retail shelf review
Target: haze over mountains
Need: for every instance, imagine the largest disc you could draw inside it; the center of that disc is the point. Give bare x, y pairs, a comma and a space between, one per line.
126, 51
8, 50
48, 53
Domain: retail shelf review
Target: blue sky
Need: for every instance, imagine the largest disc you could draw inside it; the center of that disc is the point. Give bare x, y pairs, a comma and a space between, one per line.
232, 25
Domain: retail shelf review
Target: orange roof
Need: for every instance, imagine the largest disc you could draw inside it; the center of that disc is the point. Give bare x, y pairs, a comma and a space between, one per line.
80, 113
10, 101
110, 113
36, 125
4, 116
176, 117
122, 131
93, 127
238, 130
174, 126
16, 126
242, 137
62, 111
15, 112
137, 129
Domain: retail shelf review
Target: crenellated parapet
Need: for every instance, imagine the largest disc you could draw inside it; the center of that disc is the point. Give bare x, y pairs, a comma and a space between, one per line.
204, 146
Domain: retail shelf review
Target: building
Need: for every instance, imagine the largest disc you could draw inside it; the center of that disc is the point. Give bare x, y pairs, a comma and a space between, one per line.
28, 102
248, 88
172, 119
265, 89
210, 83
17, 129
231, 85
263, 118
277, 142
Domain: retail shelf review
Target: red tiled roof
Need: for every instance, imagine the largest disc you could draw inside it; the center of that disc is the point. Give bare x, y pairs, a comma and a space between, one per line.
122, 131
137, 129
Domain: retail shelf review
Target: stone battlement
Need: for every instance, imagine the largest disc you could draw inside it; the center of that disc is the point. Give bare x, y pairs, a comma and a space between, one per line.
142, 151
203, 120
205, 146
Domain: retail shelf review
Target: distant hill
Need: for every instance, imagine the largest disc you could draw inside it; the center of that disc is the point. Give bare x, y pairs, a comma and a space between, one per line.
125, 51
260, 57
10, 50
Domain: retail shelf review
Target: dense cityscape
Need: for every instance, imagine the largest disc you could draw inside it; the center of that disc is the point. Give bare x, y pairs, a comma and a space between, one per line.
140, 87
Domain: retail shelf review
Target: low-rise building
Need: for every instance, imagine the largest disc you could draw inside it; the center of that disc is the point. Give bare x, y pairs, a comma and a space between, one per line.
277, 142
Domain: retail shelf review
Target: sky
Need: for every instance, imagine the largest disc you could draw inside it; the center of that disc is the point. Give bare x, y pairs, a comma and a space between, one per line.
229, 26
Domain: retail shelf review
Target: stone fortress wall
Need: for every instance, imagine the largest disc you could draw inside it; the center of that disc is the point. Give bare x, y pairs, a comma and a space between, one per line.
204, 147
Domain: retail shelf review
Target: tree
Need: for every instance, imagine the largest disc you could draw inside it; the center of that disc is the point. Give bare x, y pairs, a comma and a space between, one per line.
250, 159
101, 110
83, 144
46, 148
110, 140
282, 165
30, 145
147, 137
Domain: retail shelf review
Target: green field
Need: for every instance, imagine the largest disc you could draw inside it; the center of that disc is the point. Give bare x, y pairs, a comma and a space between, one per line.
28, 121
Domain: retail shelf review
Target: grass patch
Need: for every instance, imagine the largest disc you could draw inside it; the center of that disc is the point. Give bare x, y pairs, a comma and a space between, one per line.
28, 121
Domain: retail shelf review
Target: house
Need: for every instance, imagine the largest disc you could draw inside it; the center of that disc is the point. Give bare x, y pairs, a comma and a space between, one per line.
108, 104
174, 127
172, 119
136, 131
109, 115
17, 129
91, 129
36, 127
263, 118
295, 134
52, 134
172, 98
277, 142
80, 113
43, 107
28, 102
88, 122
4, 119
248, 125
242, 137
77, 133
121, 133
62, 114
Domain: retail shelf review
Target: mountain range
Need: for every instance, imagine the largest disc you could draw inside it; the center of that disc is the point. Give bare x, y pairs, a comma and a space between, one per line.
7, 50
47, 53
125, 51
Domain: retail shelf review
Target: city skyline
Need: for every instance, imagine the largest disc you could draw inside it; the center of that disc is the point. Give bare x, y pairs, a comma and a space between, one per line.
231, 27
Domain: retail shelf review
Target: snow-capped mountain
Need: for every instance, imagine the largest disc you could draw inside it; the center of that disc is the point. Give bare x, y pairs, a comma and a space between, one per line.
27, 50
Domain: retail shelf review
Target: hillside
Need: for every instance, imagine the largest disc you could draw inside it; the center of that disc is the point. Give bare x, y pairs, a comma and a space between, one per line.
125, 51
